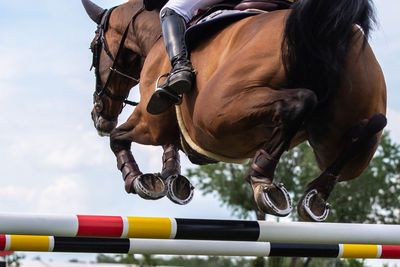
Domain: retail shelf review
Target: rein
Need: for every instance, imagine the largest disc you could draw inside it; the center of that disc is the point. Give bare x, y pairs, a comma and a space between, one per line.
100, 43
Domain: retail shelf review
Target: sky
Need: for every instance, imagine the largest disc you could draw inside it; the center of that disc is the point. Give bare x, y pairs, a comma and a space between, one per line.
52, 160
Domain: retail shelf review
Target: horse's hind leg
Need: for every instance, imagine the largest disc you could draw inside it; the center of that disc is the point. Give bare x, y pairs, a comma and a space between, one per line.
362, 138
180, 190
289, 113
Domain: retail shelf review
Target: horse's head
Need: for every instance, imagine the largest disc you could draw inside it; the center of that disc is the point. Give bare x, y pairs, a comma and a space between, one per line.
117, 61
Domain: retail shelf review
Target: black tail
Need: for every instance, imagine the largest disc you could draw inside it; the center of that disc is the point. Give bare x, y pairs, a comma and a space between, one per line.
316, 39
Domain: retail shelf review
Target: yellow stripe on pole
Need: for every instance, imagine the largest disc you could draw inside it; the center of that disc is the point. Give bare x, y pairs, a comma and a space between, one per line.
29, 243
359, 251
142, 227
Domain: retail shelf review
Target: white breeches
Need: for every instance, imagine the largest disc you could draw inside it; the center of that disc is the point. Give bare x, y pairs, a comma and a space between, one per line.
187, 8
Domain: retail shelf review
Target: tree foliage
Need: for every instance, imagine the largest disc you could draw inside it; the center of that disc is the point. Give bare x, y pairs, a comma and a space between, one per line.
371, 198
13, 260
176, 261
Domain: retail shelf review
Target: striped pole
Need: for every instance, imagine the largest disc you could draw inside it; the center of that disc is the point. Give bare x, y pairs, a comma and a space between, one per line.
200, 229
193, 247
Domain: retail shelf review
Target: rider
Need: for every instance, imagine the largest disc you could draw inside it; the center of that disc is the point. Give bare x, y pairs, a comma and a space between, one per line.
174, 16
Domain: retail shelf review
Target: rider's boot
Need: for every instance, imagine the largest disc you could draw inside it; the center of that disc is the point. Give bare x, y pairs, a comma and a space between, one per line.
181, 78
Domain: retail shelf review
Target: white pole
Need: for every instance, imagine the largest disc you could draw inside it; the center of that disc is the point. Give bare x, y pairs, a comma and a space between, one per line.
199, 247
329, 233
30, 224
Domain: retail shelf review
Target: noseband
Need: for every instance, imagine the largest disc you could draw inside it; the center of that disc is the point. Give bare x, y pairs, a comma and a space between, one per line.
100, 43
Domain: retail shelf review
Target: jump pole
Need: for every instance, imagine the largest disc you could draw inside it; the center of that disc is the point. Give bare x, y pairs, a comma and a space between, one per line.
193, 247
198, 229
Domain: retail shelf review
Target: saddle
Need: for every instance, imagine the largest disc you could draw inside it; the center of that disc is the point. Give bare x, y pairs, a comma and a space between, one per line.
208, 22
213, 19
265, 5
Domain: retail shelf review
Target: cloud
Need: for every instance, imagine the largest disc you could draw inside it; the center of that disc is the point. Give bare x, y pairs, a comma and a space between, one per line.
81, 148
10, 68
63, 195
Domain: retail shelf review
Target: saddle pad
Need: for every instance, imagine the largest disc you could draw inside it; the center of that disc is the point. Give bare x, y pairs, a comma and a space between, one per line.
212, 24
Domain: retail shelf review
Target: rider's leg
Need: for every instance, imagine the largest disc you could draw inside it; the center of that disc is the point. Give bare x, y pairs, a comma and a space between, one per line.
174, 16
173, 28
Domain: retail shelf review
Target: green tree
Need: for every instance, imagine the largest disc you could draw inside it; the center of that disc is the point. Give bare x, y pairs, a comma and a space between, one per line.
103, 258
178, 261
119, 258
13, 259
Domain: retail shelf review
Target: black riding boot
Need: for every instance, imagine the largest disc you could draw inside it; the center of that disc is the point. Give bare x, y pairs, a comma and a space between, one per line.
180, 80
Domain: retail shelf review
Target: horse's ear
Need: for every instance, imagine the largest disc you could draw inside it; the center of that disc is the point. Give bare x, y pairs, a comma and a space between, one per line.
94, 11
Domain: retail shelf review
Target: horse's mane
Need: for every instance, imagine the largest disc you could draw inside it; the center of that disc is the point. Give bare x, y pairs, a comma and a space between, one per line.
316, 40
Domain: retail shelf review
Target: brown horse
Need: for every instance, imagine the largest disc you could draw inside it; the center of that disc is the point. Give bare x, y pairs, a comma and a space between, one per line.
264, 84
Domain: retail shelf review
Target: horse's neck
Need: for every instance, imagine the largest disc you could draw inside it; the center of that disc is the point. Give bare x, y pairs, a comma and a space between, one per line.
148, 31
147, 28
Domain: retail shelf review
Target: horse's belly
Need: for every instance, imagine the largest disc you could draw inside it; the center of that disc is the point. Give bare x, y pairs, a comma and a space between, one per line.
242, 145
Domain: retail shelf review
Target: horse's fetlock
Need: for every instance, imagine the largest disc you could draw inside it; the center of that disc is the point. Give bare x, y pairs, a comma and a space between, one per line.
129, 183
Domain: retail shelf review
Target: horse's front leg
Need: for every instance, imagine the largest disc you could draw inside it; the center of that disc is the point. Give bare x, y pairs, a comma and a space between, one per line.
180, 190
147, 186
287, 109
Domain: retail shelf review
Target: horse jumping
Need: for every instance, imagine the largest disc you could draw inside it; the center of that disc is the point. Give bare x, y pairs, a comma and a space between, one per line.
264, 84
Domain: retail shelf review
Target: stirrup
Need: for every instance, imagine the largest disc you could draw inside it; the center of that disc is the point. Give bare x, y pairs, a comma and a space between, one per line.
162, 98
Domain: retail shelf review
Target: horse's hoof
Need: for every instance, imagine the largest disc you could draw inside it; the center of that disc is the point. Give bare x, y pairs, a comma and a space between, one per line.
149, 186
312, 207
180, 190
273, 199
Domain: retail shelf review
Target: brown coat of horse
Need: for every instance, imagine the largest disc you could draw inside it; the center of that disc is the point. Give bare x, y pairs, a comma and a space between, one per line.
244, 104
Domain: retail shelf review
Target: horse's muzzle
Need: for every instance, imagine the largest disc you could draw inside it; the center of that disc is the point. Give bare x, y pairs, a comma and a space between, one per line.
102, 125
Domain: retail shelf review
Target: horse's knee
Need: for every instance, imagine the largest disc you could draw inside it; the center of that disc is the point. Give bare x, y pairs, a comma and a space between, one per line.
300, 100
119, 141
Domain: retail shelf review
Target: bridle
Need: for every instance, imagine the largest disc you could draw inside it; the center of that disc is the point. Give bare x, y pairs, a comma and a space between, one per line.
100, 43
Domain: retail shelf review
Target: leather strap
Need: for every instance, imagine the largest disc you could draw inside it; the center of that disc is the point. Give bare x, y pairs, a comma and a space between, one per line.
171, 159
127, 164
123, 157
264, 164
